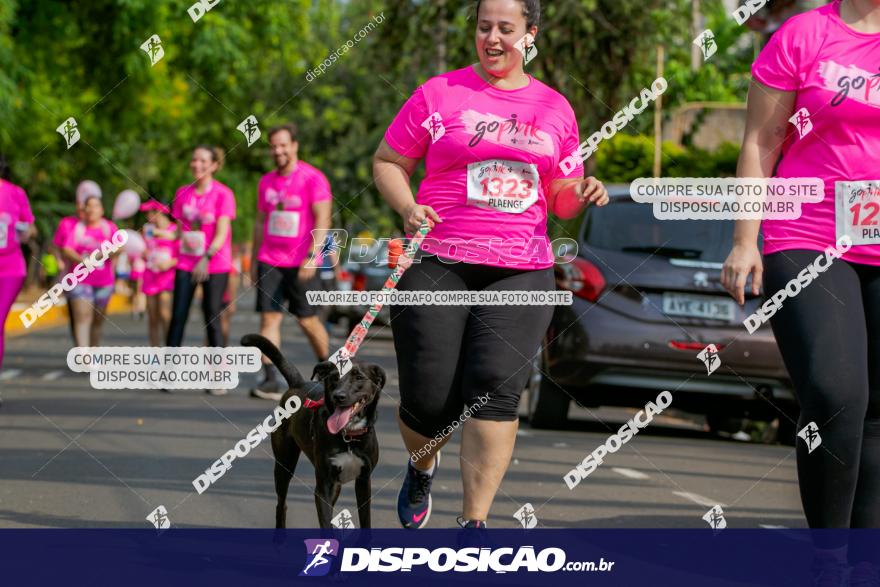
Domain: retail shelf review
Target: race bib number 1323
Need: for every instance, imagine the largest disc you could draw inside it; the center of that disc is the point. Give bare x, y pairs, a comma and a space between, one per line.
857, 206
506, 186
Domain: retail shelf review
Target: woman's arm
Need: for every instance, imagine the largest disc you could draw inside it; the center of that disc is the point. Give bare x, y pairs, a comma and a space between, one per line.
68, 254
167, 233
391, 172
220, 234
200, 271
766, 128
568, 197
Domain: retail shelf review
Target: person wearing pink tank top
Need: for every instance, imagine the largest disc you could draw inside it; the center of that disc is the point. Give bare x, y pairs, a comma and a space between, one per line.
492, 138
16, 227
814, 111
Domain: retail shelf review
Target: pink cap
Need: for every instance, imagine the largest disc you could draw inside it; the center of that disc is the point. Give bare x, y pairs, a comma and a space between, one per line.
155, 205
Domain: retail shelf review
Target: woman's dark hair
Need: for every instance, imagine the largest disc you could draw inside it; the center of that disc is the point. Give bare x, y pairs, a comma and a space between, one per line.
217, 155
531, 11
4, 167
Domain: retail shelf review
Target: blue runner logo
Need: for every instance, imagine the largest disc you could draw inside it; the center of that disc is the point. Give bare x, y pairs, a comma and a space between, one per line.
320, 553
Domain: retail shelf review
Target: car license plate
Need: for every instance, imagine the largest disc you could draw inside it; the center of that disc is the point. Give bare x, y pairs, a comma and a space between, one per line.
696, 306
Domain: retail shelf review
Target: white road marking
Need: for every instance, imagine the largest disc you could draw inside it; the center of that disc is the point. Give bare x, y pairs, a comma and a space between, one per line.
52, 375
10, 374
698, 499
631, 473
771, 527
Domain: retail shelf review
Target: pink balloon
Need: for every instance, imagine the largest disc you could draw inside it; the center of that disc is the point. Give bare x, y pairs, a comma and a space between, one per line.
127, 204
135, 246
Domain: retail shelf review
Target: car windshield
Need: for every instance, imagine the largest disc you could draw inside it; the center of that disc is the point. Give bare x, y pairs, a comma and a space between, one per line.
631, 227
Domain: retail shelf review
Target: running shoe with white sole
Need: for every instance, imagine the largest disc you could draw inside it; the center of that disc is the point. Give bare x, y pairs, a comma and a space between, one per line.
414, 499
269, 388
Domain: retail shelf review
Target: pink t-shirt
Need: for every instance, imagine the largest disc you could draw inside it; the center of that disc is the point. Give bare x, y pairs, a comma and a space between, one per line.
86, 240
490, 156
835, 71
158, 251
14, 207
65, 225
198, 214
287, 203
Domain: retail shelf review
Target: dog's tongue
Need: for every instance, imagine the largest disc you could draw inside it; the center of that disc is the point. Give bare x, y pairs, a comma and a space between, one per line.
339, 419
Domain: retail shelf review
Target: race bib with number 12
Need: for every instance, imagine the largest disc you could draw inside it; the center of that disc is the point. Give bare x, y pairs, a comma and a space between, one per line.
4, 235
857, 211
506, 186
284, 223
192, 242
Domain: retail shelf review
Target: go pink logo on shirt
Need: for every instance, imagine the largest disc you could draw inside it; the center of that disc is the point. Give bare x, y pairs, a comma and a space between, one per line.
850, 82
509, 132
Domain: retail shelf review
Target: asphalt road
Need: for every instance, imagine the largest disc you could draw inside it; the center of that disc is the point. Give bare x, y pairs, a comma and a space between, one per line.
73, 456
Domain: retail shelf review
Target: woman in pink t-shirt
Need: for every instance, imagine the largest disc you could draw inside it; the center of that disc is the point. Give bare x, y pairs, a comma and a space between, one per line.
814, 111
88, 300
16, 227
492, 138
161, 259
86, 188
204, 210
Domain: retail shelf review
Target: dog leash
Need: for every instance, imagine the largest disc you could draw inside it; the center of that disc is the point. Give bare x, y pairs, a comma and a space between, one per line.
342, 358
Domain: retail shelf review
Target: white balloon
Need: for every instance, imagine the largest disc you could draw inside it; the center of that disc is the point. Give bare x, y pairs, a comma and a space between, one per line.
128, 202
135, 245
86, 188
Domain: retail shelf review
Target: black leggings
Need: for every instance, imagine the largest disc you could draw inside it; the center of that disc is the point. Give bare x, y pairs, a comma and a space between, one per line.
449, 357
212, 306
829, 336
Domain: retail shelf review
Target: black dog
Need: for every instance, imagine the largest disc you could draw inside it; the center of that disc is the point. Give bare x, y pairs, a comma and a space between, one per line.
334, 428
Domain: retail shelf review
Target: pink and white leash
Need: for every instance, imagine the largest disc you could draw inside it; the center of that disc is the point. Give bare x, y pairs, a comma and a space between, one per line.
342, 358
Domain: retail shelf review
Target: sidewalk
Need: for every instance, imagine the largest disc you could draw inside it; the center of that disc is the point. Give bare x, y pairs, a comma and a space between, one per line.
56, 315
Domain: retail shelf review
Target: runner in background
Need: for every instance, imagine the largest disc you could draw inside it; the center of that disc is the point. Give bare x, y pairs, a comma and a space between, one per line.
204, 210
88, 300
85, 189
161, 259
492, 138
294, 205
136, 283
816, 84
16, 227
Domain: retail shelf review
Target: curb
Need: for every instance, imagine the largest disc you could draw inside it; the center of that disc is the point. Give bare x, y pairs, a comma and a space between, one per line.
57, 315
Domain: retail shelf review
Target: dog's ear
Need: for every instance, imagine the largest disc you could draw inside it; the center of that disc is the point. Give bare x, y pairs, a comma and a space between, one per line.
324, 370
375, 373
